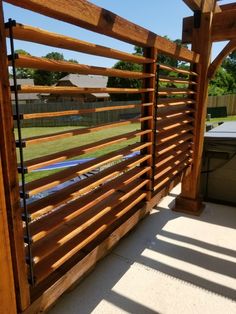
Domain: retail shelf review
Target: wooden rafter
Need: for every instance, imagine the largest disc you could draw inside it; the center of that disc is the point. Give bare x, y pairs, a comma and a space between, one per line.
231, 46
204, 6
89, 16
223, 27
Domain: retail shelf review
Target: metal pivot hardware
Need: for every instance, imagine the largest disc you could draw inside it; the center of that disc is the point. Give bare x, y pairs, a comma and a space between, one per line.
10, 25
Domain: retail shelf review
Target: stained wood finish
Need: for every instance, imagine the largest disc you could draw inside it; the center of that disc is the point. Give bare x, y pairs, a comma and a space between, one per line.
171, 102
50, 181
10, 177
74, 132
38, 35
230, 47
79, 90
53, 114
204, 6
63, 196
92, 17
59, 257
70, 230
169, 79
40, 162
7, 287
177, 70
174, 91
223, 27
56, 220
24, 61
149, 111
190, 185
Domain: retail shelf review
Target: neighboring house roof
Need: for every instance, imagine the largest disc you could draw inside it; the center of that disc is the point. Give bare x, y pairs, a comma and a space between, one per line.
88, 81
31, 96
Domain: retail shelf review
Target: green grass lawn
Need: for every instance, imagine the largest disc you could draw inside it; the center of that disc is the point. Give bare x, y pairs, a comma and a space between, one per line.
39, 150
229, 118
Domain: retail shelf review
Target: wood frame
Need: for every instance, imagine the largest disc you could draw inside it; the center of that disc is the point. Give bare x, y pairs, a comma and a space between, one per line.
10, 178
179, 145
7, 287
223, 27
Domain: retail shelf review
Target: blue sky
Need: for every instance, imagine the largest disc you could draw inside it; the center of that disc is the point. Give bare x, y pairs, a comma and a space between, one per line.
163, 17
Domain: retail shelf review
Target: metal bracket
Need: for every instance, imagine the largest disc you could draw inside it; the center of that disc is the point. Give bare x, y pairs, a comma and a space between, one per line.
197, 19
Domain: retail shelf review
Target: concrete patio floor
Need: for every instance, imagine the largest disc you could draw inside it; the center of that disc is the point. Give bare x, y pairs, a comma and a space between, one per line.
170, 263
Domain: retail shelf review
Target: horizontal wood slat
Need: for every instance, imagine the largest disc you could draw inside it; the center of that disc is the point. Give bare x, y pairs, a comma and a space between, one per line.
163, 170
70, 230
55, 179
169, 79
94, 18
166, 115
24, 61
172, 134
63, 196
171, 102
177, 70
74, 132
43, 227
39, 162
93, 232
175, 91
166, 123
175, 123
168, 177
38, 35
54, 114
167, 157
172, 144
79, 90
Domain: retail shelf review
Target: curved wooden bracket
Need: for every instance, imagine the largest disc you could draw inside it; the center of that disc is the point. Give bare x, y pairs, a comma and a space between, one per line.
231, 46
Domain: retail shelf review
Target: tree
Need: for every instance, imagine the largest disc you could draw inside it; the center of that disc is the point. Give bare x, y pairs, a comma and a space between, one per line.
47, 77
222, 83
124, 82
24, 73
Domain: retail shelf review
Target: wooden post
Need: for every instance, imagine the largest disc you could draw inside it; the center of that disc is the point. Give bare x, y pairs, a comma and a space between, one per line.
149, 111
10, 177
189, 200
7, 288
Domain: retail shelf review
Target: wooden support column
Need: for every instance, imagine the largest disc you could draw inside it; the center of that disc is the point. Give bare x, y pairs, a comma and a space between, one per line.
7, 288
189, 201
10, 177
149, 111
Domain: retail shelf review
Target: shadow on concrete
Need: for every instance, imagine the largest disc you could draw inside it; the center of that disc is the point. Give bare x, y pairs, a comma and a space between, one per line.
100, 283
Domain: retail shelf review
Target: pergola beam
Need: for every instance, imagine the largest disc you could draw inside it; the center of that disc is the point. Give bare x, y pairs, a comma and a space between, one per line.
223, 27
231, 46
203, 5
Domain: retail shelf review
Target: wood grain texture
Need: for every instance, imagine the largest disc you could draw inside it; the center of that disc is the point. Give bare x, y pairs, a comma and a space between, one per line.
223, 27
74, 132
38, 35
7, 286
230, 47
10, 177
43, 161
55, 179
89, 16
24, 61
79, 90
202, 43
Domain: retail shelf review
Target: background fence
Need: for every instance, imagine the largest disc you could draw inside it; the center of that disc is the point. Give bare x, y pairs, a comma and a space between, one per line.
83, 119
228, 101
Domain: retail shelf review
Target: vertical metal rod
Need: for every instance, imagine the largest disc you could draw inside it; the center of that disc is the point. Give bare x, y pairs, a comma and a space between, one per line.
155, 126
11, 22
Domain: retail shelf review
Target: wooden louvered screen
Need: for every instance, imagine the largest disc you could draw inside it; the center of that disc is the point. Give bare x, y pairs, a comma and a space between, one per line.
129, 168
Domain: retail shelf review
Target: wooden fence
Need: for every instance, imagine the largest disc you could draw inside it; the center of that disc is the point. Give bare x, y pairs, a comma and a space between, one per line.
56, 239
90, 113
228, 101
